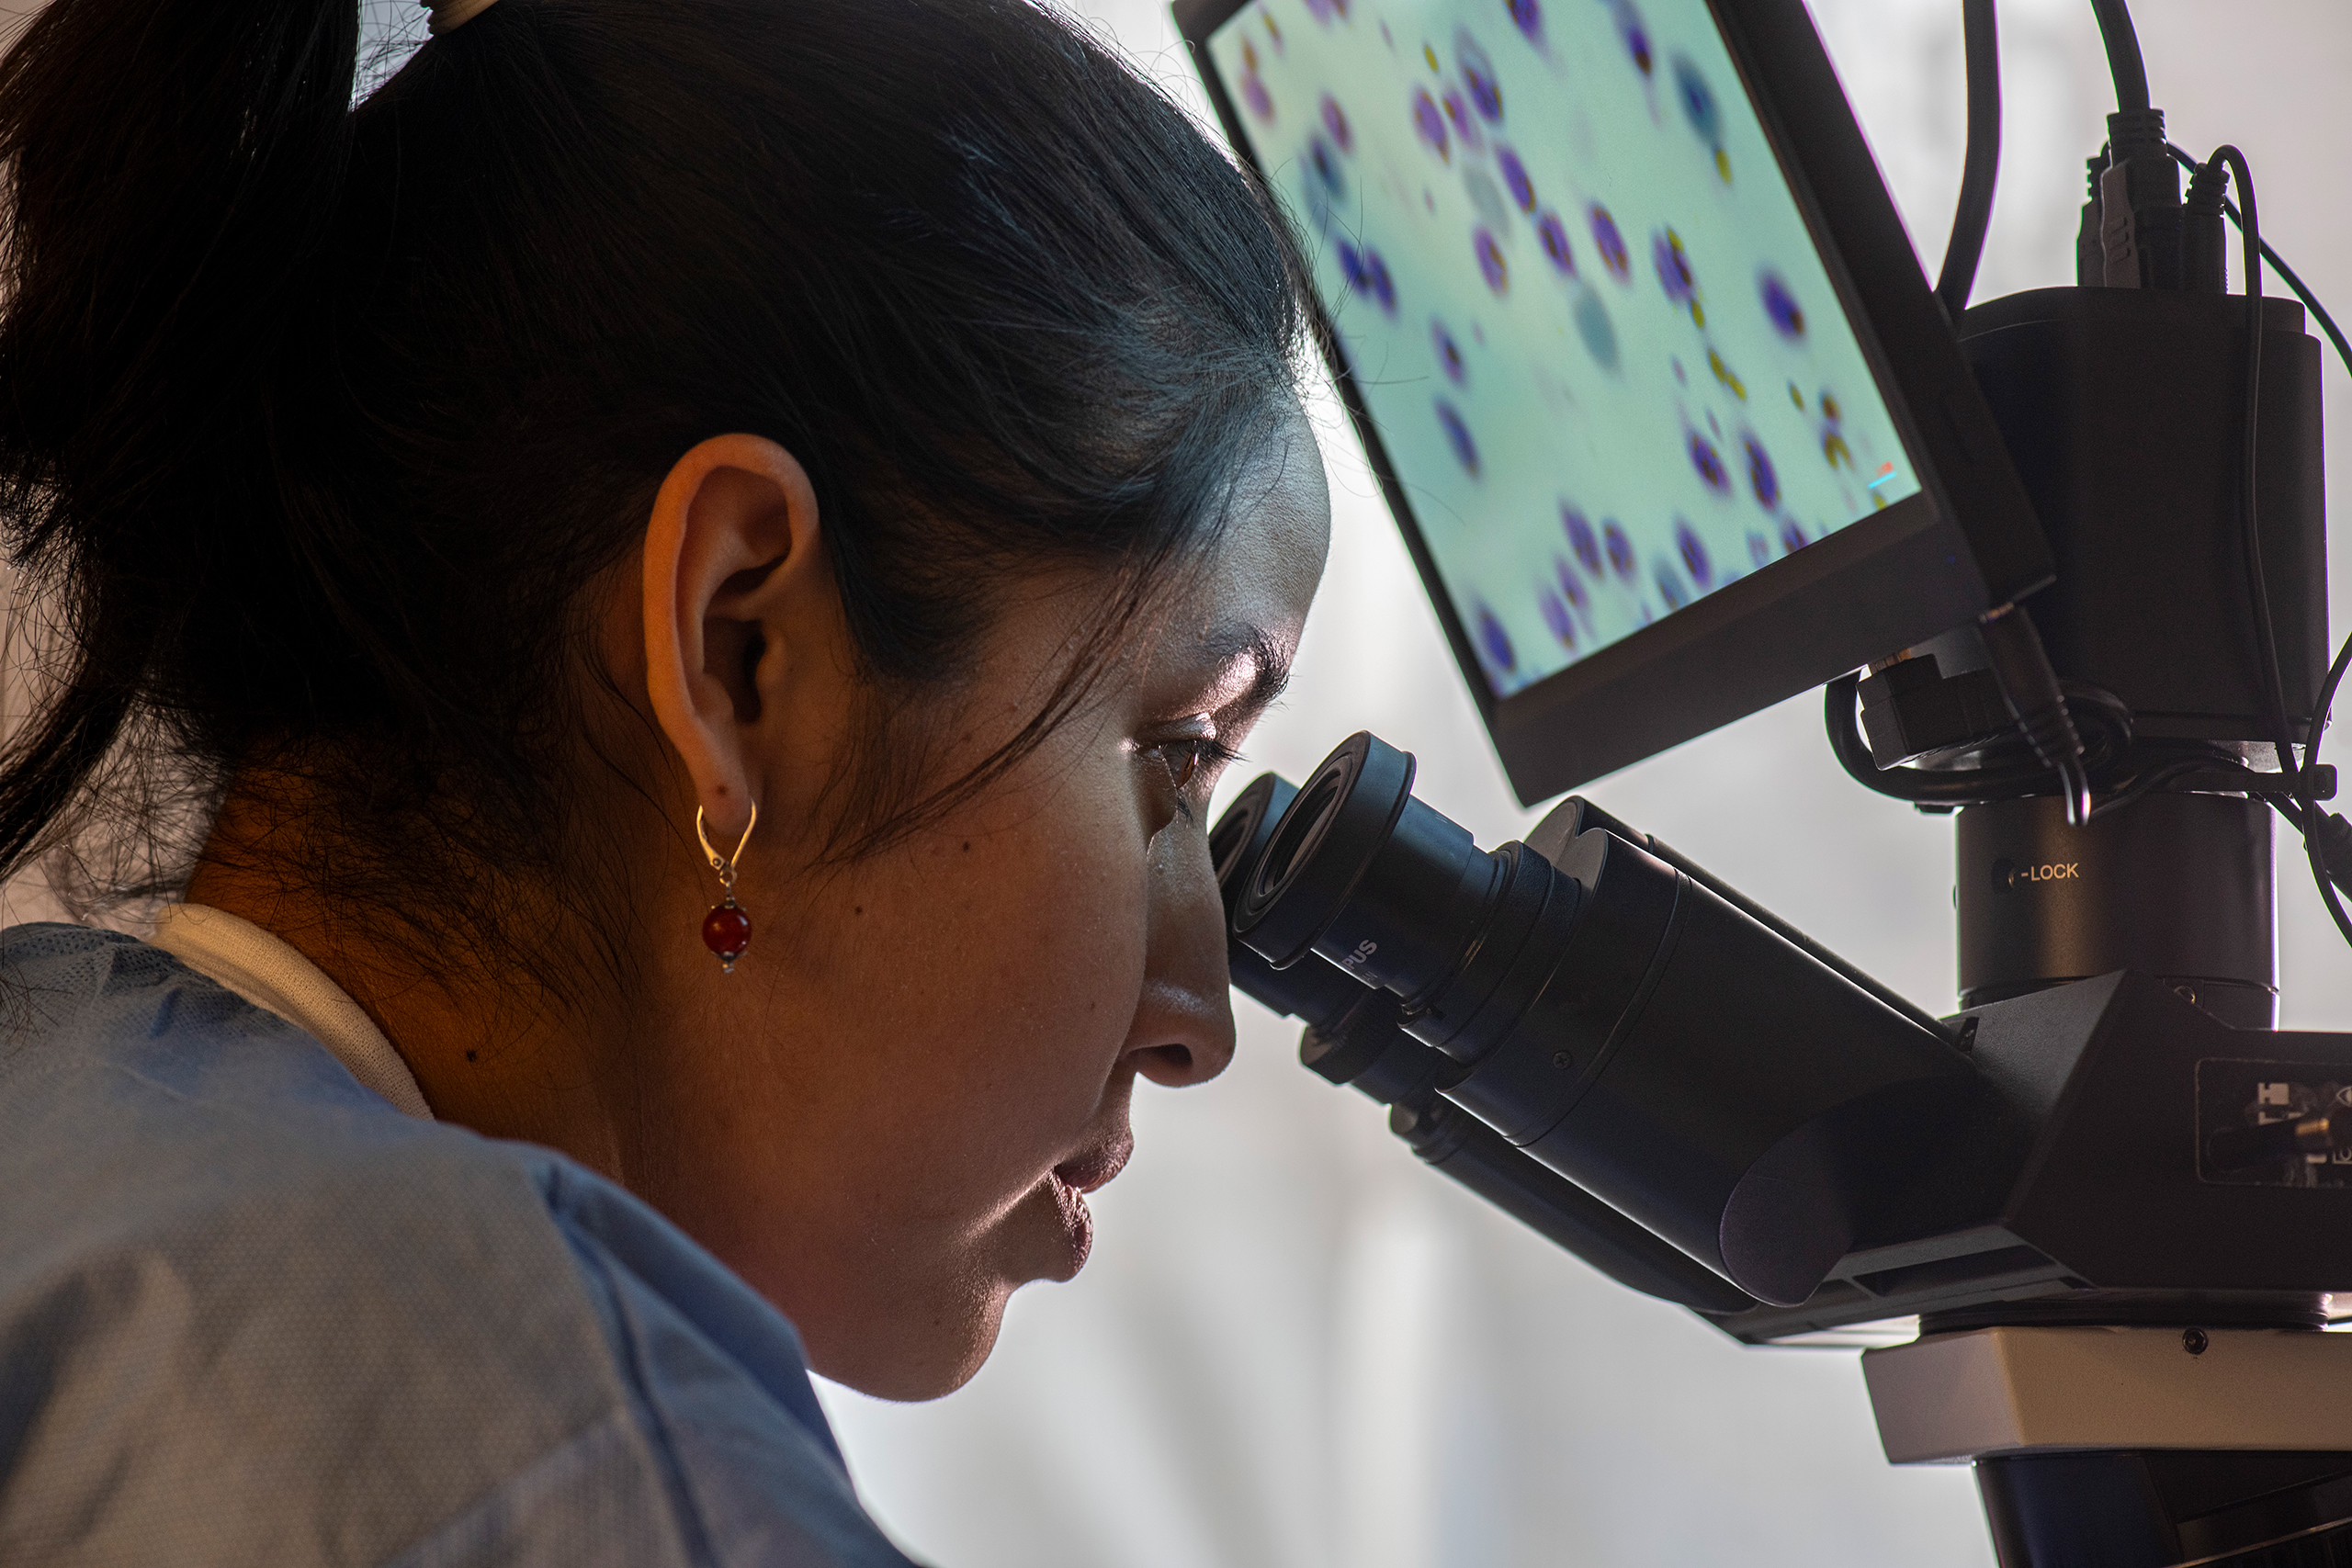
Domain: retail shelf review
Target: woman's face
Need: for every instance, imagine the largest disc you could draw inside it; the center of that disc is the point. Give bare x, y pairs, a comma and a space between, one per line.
887, 1117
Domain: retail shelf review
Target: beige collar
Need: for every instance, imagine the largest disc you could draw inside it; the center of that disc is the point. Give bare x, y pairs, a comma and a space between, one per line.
271, 975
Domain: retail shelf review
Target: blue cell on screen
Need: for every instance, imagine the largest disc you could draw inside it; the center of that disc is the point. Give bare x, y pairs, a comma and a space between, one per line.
1759, 548
1448, 352
1428, 124
1582, 539
1760, 475
1694, 551
1670, 584
1478, 76
1698, 101
1793, 534
1457, 436
1610, 243
1593, 325
1787, 316
1620, 549
1709, 464
1527, 16
1495, 642
1515, 177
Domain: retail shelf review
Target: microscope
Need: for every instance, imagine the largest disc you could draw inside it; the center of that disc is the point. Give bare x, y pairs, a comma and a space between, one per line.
1675, 428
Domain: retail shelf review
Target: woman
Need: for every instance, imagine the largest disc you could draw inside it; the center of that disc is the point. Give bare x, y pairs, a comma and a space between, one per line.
660, 601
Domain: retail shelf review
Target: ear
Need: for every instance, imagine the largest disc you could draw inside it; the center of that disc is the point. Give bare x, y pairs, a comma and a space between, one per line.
730, 552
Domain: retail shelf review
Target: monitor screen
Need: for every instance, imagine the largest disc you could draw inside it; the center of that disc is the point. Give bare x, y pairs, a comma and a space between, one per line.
1577, 295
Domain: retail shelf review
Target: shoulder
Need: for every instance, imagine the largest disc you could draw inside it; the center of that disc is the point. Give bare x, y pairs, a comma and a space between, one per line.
250, 1312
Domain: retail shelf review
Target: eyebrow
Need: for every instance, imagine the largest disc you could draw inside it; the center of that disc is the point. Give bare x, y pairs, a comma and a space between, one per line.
1269, 668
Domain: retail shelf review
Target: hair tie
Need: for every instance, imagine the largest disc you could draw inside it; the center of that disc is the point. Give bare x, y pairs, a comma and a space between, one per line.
448, 15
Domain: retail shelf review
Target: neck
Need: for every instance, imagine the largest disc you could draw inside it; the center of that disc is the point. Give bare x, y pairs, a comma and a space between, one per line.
492, 1048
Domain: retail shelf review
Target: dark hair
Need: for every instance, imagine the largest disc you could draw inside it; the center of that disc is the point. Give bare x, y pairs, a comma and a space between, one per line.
315, 420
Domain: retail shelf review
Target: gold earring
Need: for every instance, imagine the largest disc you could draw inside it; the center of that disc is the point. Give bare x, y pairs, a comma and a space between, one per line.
726, 930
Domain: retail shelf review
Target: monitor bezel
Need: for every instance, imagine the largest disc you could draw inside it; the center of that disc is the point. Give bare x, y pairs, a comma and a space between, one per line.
1967, 542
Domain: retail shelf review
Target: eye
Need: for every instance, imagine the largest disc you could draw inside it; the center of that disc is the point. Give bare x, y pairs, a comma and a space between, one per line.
1192, 760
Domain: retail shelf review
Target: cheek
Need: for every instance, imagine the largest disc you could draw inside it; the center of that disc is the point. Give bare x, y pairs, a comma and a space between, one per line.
994, 985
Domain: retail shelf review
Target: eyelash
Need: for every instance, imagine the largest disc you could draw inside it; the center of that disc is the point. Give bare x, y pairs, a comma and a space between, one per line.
1185, 758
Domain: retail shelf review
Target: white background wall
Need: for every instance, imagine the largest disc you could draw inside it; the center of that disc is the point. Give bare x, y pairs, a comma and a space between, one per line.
1295, 1349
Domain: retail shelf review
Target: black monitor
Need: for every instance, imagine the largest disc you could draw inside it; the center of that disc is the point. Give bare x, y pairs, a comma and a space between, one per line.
1637, 347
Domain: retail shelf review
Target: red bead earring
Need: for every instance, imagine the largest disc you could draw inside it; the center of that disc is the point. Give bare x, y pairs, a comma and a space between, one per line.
726, 930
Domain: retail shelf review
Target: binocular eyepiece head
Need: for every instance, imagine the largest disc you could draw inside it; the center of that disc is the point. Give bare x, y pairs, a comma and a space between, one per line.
1639, 1032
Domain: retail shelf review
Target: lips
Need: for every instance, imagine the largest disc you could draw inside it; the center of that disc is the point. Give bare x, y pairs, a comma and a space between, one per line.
1089, 1168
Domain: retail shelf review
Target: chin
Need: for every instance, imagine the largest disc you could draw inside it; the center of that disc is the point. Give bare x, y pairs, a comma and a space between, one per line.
915, 1355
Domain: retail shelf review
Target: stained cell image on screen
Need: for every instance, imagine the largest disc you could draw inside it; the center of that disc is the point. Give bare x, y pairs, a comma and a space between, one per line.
1578, 296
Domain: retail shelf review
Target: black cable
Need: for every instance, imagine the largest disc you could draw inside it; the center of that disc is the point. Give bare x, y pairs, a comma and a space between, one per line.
2274, 690
2123, 62
1973, 214
2324, 834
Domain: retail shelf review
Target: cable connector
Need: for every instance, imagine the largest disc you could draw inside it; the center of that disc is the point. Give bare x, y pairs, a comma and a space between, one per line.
2204, 239
2022, 666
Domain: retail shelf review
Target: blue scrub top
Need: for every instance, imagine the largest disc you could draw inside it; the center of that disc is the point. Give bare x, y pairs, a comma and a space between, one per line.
250, 1314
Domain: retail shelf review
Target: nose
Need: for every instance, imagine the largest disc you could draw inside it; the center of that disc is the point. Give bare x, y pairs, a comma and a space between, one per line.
1183, 1033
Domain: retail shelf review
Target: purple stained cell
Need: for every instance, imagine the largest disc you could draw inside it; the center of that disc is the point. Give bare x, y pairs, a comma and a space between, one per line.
1515, 178
1334, 120
1448, 352
1669, 585
1609, 242
1793, 534
1788, 316
1582, 539
1528, 17
1492, 265
1556, 616
1761, 479
1571, 585
1326, 11
1710, 465
1621, 549
1694, 551
1429, 123
1479, 77
1673, 262
1254, 93
1457, 434
1634, 34
1457, 114
1367, 276
1495, 642
1554, 237
1759, 548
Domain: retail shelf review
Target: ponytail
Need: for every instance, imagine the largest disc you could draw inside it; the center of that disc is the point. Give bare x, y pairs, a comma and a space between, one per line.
169, 171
